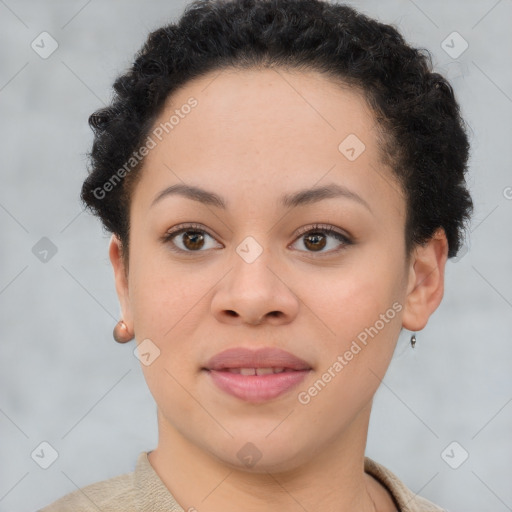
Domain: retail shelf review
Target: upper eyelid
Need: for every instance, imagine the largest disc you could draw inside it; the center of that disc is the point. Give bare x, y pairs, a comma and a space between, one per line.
186, 227
319, 226
194, 226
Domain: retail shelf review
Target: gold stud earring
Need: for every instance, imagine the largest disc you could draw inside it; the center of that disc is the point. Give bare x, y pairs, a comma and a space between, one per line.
121, 333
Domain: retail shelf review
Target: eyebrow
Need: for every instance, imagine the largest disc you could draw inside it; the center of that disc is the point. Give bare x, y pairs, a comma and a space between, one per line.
299, 198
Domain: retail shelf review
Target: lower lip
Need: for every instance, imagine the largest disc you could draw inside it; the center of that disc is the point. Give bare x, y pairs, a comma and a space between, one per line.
257, 388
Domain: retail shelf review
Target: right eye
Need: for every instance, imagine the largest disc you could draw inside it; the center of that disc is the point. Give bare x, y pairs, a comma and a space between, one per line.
187, 238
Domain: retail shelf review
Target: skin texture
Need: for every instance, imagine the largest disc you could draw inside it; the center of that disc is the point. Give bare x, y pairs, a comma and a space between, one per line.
254, 136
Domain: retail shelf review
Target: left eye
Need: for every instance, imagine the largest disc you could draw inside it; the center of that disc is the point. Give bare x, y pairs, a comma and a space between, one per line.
316, 238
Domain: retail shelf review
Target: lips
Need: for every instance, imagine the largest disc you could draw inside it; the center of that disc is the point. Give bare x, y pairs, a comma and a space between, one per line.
262, 359
256, 375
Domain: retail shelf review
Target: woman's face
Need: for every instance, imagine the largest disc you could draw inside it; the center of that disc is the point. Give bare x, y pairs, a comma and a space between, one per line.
256, 272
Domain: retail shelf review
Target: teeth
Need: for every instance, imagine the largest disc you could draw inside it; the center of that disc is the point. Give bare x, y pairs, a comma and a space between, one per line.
264, 371
255, 371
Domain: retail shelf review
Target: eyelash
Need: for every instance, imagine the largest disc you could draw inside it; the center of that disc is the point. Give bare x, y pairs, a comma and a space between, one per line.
323, 228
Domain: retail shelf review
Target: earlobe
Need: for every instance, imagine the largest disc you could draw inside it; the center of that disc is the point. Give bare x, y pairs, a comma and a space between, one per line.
425, 287
121, 280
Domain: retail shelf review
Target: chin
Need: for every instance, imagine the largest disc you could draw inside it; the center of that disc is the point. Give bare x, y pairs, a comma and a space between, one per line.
262, 456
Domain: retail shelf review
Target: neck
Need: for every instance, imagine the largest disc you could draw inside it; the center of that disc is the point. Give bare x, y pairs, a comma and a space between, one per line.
331, 480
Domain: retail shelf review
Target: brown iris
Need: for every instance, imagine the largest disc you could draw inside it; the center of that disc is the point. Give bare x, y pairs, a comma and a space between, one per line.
195, 238
315, 238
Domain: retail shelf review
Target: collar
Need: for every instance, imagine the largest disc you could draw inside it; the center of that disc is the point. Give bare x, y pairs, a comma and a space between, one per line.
153, 495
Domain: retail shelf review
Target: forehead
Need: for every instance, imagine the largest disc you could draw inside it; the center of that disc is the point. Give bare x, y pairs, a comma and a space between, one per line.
260, 131
287, 109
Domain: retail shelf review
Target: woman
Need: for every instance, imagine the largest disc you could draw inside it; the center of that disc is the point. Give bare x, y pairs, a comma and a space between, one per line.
284, 182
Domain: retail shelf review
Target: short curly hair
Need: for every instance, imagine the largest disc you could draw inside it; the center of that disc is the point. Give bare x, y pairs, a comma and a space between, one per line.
424, 137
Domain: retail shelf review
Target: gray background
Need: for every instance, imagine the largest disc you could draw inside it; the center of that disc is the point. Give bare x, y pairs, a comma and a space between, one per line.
65, 381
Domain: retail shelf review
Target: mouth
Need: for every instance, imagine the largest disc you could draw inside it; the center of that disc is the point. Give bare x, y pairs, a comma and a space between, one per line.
257, 371
256, 376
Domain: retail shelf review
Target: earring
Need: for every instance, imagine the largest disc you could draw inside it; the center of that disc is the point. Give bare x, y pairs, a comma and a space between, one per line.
413, 340
121, 333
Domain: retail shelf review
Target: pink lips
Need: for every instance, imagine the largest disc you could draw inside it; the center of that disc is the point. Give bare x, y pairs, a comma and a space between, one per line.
261, 358
256, 375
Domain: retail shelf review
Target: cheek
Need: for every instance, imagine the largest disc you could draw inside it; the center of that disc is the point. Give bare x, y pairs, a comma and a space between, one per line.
164, 296
166, 308
360, 315
169, 304
361, 321
350, 300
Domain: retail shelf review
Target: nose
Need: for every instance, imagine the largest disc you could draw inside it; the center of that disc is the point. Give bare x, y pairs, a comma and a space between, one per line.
255, 293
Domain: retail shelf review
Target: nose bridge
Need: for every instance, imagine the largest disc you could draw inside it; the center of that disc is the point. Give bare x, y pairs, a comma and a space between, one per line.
253, 289
252, 259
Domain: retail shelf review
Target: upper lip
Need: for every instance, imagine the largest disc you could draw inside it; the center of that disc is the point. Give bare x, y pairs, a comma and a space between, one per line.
267, 357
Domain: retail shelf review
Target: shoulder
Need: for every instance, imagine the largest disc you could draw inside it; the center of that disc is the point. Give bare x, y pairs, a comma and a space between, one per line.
406, 500
112, 495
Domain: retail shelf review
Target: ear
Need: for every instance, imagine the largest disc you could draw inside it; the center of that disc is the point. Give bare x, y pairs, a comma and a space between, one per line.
425, 287
115, 252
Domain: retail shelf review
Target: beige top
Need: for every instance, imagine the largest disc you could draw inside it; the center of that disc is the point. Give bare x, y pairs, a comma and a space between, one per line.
143, 491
